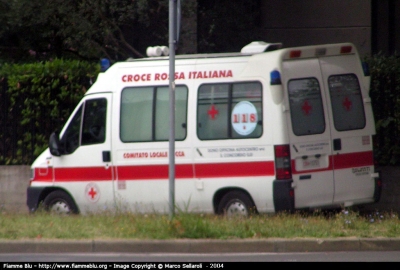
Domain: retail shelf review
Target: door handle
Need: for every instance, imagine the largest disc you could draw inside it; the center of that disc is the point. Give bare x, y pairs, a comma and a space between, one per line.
337, 144
106, 156
305, 177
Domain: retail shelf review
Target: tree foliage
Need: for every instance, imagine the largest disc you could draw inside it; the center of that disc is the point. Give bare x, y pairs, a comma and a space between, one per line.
119, 29
85, 29
226, 25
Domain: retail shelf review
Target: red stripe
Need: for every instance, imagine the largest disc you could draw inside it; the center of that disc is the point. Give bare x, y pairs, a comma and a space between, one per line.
208, 170
242, 169
352, 160
343, 161
44, 175
201, 170
149, 172
83, 174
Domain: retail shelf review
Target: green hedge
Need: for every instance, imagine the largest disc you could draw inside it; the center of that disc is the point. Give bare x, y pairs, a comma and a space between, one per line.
385, 96
38, 99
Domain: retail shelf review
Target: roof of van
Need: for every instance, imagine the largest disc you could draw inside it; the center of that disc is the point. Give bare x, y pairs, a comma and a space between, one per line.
254, 47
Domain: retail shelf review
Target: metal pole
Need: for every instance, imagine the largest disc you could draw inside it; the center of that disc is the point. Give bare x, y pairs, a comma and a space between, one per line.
171, 155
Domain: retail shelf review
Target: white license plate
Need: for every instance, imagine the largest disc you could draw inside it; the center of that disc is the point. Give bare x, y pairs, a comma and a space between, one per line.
311, 164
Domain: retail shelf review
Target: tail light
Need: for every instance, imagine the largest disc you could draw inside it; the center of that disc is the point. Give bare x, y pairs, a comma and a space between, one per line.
295, 54
346, 49
283, 167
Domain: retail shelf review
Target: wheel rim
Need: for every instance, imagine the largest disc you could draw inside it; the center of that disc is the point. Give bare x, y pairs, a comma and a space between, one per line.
236, 209
60, 207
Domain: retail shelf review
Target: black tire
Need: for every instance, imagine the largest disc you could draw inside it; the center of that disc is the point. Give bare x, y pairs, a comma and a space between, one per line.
59, 202
236, 203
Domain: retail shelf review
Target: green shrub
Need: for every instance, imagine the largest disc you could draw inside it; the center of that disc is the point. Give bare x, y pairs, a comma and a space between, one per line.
385, 97
38, 99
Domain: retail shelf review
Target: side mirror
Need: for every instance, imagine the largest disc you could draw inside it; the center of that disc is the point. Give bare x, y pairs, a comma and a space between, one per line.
54, 145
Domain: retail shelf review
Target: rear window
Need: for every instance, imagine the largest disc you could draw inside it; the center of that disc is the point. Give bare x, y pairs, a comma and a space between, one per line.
347, 102
306, 110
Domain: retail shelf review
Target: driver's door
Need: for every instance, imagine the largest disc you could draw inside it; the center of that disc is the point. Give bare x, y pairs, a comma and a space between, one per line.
85, 165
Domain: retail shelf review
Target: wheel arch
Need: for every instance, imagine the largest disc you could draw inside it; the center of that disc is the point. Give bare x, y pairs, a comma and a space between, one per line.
219, 194
46, 191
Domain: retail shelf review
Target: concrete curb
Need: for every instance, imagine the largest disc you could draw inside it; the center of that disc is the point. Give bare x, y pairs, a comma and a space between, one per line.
199, 246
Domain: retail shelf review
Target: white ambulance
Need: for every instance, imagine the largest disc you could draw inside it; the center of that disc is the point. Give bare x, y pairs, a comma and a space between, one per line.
265, 130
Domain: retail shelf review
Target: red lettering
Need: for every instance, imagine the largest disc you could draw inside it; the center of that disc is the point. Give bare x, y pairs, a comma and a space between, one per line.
236, 118
136, 155
136, 77
252, 117
158, 154
145, 77
179, 154
244, 118
179, 76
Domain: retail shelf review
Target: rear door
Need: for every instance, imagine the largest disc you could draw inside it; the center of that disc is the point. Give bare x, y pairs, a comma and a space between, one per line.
309, 130
351, 128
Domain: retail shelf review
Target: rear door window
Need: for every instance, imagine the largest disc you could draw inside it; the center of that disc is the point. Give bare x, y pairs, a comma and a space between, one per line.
306, 109
347, 102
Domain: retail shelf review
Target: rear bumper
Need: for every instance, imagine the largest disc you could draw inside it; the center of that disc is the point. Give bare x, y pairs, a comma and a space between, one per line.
283, 193
378, 186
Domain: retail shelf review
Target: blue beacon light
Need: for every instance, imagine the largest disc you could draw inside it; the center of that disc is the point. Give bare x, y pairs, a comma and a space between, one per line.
104, 64
275, 77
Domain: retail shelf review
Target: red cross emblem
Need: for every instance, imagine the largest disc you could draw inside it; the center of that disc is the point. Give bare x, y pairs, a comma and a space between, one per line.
306, 107
212, 112
92, 192
347, 104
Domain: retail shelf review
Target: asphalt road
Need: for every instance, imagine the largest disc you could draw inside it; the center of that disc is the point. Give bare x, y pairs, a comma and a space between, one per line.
164, 260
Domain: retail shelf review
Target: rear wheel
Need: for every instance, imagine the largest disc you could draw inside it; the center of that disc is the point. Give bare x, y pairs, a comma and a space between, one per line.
59, 202
236, 203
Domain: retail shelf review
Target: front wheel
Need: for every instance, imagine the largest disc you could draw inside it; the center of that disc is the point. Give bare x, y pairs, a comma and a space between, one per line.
59, 202
236, 203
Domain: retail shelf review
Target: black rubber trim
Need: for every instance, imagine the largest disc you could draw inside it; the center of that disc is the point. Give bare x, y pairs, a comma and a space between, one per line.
283, 194
33, 197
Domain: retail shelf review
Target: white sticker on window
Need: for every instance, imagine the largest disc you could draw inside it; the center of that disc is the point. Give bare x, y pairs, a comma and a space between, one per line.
244, 118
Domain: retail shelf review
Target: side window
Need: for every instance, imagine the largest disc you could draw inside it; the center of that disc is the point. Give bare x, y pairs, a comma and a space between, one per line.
162, 113
71, 137
145, 114
94, 122
212, 112
306, 110
136, 114
93, 126
229, 111
347, 102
